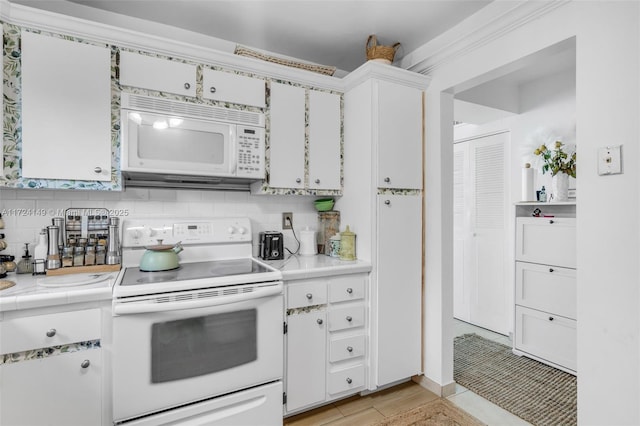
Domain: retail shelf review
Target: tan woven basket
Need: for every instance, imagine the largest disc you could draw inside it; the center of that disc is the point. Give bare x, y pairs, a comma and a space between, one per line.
322, 69
376, 51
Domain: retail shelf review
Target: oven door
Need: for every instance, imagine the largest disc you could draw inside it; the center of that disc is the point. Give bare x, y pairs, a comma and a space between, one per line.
175, 357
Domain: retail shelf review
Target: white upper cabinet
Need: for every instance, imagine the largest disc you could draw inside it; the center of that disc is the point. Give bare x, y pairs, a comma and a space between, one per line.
287, 112
147, 72
399, 136
324, 140
66, 109
234, 88
288, 134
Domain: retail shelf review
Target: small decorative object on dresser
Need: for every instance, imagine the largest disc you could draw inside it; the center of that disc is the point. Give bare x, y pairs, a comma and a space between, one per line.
562, 165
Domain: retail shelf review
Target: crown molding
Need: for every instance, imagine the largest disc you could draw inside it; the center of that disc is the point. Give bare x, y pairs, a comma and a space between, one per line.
379, 71
494, 21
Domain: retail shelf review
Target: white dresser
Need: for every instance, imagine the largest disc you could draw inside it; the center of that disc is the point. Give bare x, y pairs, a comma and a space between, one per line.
545, 284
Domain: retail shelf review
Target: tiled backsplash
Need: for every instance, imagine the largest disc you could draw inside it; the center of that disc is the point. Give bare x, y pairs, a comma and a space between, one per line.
26, 211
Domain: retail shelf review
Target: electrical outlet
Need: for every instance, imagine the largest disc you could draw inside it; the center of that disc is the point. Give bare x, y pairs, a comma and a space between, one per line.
287, 220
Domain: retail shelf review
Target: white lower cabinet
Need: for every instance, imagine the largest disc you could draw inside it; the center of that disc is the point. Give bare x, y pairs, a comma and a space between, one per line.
63, 386
546, 286
326, 340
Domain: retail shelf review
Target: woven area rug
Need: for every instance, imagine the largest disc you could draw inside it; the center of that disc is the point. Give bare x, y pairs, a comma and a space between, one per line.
533, 391
439, 412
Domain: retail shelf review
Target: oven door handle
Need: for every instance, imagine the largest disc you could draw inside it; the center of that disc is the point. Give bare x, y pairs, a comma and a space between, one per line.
159, 303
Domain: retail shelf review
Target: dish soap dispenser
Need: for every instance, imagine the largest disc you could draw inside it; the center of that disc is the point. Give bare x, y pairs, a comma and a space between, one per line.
24, 265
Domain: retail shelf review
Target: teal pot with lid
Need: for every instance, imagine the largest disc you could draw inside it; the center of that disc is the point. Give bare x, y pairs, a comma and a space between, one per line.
160, 257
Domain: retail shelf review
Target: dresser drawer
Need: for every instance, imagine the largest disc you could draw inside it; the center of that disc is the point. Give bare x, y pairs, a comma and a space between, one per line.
546, 288
547, 336
306, 293
43, 331
346, 380
346, 318
346, 348
347, 288
550, 241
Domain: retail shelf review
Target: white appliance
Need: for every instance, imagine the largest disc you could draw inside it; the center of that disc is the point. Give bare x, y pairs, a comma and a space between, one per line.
203, 343
183, 144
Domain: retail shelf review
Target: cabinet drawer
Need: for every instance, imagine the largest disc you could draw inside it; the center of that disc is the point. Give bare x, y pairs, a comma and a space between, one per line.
21, 334
345, 318
546, 288
547, 336
345, 380
347, 288
551, 241
306, 293
346, 348
239, 89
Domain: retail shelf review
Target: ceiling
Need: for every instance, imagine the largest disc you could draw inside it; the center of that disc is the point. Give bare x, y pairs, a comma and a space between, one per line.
327, 32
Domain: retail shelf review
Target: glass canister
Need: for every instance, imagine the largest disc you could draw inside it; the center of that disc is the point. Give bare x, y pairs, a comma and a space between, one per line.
347, 245
334, 245
328, 226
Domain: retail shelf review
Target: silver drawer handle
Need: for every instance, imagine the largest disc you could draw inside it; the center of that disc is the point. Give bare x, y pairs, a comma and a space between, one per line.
317, 180
349, 290
85, 364
349, 349
212, 89
298, 180
550, 318
97, 170
550, 269
319, 321
349, 380
387, 202
51, 332
187, 86
387, 179
551, 222
349, 318
309, 296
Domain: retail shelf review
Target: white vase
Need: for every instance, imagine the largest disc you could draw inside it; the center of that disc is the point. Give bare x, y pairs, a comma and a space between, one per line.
560, 186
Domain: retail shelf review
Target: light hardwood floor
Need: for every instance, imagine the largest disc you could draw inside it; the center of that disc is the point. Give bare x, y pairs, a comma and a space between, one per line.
365, 410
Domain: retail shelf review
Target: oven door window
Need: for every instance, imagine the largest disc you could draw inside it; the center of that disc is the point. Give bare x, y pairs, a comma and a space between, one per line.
198, 346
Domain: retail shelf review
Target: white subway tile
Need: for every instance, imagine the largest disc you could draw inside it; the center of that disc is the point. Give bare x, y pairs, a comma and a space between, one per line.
135, 194
162, 195
8, 194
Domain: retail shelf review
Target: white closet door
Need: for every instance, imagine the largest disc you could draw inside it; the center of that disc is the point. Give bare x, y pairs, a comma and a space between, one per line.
480, 262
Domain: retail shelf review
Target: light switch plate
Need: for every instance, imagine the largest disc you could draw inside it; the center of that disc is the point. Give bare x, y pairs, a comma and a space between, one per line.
610, 160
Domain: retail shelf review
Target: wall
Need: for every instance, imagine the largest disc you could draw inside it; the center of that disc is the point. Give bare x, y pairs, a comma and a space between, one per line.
607, 109
265, 211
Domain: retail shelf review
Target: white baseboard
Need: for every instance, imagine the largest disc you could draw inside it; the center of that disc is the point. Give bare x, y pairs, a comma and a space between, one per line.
440, 390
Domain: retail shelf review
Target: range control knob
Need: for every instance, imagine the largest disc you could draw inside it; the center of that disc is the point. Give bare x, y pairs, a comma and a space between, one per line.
231, 230
242, 230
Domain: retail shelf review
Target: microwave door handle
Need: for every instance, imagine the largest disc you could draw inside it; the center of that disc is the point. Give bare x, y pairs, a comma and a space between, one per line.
143, 307
233, 148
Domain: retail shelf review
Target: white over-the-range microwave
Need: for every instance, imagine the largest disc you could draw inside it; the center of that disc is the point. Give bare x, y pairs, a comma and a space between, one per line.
167, 143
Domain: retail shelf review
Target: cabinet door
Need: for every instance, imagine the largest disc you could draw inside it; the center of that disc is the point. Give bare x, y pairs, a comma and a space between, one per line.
306, 359
56, 390
286, 137
550, 241
399, 136
324, 140
147, 72
398, 298
547, 288
229, 87
66, 109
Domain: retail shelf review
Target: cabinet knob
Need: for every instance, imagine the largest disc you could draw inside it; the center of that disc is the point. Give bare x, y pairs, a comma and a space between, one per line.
187, 86
317, 180
550, 318
51, 332
387, 179
298, 180
319, 321
387, 202
349, 380
97, 170
349, 290
212, 89
349, 318
85, 364
551, 222
309, 296
550, 269
349, 349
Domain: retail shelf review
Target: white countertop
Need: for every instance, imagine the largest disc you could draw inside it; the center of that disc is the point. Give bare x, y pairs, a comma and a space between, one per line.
296, 267
36, 291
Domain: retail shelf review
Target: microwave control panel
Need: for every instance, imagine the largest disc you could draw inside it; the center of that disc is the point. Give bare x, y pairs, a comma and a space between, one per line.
250, 153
